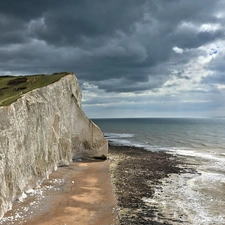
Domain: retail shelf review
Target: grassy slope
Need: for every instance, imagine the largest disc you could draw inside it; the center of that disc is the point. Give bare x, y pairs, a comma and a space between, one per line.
12, 87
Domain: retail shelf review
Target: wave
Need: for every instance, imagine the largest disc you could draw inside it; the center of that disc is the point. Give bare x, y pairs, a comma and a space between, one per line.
117, 135
207, 155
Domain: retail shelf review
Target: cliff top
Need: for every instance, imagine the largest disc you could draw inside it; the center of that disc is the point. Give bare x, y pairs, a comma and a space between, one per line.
13, 87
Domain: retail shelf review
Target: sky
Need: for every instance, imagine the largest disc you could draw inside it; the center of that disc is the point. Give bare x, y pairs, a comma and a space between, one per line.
133, 58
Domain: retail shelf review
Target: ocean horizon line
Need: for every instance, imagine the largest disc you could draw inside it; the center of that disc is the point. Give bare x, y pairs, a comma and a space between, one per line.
178, 117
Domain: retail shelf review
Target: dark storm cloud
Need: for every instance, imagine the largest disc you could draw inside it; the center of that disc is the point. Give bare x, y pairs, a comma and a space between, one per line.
128, 86
78, 22
192, 39
26, 10
120, 46
12, 31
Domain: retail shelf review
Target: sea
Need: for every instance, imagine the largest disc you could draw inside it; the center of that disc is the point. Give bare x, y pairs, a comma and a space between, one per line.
189, 198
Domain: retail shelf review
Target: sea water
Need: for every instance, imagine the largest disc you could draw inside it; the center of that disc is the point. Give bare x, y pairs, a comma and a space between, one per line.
190, 198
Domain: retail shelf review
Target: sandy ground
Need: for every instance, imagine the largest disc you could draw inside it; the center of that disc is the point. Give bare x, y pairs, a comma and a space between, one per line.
79, 194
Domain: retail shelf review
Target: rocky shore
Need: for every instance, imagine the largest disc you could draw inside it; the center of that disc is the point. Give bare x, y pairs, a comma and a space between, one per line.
135, 173
84, 192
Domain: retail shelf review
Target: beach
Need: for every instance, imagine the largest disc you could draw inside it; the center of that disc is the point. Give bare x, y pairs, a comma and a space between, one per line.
78, 194
135, 175
115, 191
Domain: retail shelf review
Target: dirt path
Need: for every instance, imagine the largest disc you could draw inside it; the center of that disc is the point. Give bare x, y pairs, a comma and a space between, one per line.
76, 195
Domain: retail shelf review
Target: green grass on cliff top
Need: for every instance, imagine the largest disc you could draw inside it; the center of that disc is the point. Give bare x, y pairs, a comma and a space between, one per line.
13, 87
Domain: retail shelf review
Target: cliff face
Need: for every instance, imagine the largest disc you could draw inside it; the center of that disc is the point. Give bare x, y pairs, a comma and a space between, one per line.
44, 129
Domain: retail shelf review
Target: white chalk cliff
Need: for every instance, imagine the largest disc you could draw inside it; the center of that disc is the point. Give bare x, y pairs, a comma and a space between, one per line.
43, 129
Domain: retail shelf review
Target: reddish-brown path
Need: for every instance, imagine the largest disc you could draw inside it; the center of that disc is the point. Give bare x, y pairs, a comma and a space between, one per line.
85, 197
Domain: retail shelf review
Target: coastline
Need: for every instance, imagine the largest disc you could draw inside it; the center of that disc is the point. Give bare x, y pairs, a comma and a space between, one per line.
136, 173
118, 191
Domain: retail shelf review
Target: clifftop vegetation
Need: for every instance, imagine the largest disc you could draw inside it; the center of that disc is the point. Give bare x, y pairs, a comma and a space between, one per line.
13, 87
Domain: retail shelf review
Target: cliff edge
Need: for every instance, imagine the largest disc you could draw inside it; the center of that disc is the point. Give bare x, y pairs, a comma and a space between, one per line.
43, 129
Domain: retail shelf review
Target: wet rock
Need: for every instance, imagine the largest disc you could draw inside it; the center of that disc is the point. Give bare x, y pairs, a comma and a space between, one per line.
135, 174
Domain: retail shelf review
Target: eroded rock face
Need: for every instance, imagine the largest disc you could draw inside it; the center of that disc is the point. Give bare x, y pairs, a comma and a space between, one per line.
44, 129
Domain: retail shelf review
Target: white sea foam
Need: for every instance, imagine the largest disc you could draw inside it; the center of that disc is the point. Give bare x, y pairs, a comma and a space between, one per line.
119, 138
197, 199
120, 142
209, 155
118, 135
190, 199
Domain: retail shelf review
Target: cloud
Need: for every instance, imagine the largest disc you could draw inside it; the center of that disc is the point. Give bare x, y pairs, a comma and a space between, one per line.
146, 46
216, 68
178, 50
